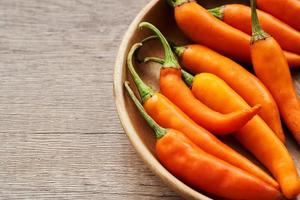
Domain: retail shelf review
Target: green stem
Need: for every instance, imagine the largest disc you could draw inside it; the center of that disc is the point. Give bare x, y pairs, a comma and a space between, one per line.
179, 50
159, 131
257, 32
155, 37
154, 59
187, 77
176, 3
150, 38
218, 12
145, 91
170, 60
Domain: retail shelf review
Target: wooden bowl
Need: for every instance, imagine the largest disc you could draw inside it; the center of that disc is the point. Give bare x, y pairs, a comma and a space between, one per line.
138, 132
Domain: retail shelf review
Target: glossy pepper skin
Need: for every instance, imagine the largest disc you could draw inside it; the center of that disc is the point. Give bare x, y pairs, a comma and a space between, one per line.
198, 59
201, 170
202, 27
239, 16
166, 114
272, 69
171, 82
285, 10
220, 124
256, 136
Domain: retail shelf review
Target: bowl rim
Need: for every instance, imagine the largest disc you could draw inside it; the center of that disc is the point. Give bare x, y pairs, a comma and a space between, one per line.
118, 92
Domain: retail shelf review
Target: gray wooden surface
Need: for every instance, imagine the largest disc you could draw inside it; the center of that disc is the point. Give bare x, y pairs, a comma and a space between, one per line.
60, 137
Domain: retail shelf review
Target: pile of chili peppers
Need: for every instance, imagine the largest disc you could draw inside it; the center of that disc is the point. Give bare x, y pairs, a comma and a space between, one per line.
224, 98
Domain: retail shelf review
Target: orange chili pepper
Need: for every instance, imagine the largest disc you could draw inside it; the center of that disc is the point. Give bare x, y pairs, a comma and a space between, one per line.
198, 58
256, 136
271, 67
171, 83
239, 16
285, 10
201, 170
202, 27
168, 115
266, 57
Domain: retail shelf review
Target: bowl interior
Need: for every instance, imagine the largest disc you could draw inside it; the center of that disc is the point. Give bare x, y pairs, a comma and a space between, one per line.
161, 15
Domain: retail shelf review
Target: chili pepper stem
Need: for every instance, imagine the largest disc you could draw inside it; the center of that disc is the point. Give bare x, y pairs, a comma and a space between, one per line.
187, 77
145, 91
150, 38
144, 41
179, 50
257, 32
170, 60
176, 3
159, 131
154, 59
217, 12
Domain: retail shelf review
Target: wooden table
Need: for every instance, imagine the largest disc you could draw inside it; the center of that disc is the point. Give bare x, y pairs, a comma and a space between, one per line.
60, 134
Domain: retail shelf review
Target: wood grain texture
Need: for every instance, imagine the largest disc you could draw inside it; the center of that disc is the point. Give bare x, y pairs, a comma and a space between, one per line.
60, 135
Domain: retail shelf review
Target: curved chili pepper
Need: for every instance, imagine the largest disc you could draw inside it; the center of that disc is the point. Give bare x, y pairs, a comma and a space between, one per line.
166, 114
267, 56
256, 136
271, 67
171, 83
198, 58
201, 170
202, 27
285, 10
202, 84
239, 16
